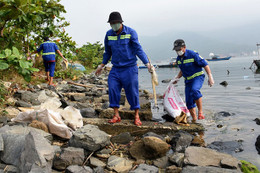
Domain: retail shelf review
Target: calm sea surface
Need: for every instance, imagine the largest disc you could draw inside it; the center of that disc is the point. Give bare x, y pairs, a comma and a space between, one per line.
241, 97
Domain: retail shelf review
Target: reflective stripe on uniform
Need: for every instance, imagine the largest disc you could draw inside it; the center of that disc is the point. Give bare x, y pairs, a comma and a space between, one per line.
194, 75
179, 62
112, 37
127, 36
49, 53
188, 61
47, 42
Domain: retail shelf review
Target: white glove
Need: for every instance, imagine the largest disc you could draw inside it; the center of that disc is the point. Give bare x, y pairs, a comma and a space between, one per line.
175, 80
210, 80
150, 67
98, 70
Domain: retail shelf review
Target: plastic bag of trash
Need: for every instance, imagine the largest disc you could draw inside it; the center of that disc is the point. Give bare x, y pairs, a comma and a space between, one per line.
72, 117
52, 119
173, 102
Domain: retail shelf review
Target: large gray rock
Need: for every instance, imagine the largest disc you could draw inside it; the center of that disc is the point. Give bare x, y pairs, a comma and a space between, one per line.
119, 164
21, 103
30, 97
13, 146
207, 169
68, 156
180, 141
143, 168
94, 162
37, 152
1, 143
24, 130
209, 157
78, 169
155, 145
177, 159
99, 170
162, 162
8, 168
90, 138
229, 147
122, 138
88, 113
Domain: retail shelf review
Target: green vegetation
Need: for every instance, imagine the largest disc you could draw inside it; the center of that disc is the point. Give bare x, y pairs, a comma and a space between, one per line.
248, 167
90, 55
13, 59
23, 24
3, 92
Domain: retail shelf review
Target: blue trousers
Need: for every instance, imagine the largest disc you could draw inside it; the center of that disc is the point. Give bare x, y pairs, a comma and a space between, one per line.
127, 78
49, 67
192, 91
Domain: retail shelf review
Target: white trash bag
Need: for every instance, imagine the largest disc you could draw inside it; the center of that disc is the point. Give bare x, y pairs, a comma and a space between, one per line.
173, 102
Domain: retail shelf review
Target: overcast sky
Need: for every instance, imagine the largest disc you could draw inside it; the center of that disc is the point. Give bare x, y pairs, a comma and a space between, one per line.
88, 18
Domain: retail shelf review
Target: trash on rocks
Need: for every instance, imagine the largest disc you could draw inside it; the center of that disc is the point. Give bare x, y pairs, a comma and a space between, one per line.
173, 102
52, 119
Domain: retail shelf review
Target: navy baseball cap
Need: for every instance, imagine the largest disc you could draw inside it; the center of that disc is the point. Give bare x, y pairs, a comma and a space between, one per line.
178, 44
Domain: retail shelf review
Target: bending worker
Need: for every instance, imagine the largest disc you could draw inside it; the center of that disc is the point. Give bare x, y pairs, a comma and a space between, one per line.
49, 49
190, 64
121, 43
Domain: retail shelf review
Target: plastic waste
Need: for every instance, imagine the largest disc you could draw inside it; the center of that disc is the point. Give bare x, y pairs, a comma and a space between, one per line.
173, 102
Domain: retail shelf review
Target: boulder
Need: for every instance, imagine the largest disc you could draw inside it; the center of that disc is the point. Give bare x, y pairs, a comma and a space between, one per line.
209, 157
1, 143
12, 112
104, 153
207, 169
155, 145
180, 141
224, 114
224, 83
148, 148
30, 97
162, 162
122, 138
229, 147
119, 164
8, 169
37, 151
173, 169
13, 146
257, 120
68, 156
257, 144
94, 162
78, 169
21, 103
177, 159
24, 130
143, 168
88, 112
79, 98
153, 134
90, 138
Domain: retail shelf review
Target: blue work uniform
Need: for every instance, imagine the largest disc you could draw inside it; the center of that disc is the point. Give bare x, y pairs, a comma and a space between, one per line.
48, 55
191, 64
123, 49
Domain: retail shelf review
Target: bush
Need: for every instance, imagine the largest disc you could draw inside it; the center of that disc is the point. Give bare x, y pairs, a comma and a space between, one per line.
3, 92
248, 167
13, 59
68, 73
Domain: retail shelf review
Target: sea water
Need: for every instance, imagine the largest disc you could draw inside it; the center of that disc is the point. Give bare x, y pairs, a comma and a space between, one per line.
241, 98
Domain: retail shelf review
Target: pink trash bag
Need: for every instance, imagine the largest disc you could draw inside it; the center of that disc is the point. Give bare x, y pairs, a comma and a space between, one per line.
173, 102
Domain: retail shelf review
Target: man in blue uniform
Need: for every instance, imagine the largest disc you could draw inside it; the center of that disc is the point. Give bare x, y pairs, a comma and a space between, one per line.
190, 64
121, 43
49, 49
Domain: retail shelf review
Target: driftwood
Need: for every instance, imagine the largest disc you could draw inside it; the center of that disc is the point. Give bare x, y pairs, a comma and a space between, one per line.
86, 86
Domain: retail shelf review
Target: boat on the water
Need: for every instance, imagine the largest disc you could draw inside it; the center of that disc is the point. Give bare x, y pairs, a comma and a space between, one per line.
257, 61
170, 64
218, 58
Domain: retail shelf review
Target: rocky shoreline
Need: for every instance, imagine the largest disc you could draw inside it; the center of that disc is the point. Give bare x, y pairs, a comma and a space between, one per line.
98, 146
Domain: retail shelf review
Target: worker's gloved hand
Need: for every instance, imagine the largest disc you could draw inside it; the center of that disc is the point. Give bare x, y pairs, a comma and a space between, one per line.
150, 67
175, 80
98, 70
210, 80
